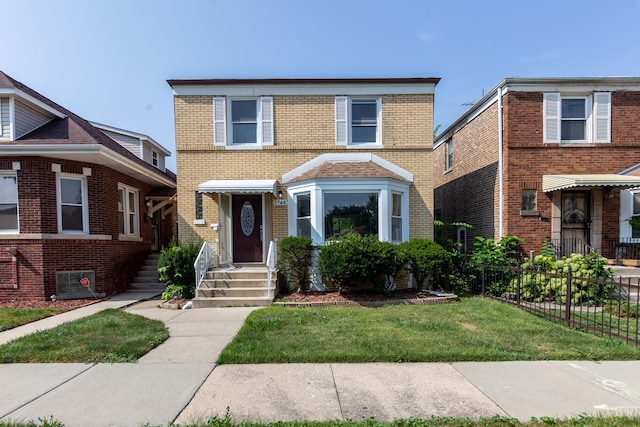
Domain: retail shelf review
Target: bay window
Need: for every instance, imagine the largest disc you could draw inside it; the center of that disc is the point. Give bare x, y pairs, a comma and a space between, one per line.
325, 209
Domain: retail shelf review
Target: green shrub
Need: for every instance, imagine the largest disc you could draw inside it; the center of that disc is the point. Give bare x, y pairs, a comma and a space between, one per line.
294, 259
176, 268
537, 286
506, 252
354, 261
623, 309
427, 259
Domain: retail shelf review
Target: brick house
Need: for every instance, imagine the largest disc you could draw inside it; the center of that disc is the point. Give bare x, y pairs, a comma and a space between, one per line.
262, 159
78, 200
544, 159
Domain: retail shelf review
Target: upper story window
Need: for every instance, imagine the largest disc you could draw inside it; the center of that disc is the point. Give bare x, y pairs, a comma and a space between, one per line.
8, 202
154, 158
243, 122
72, 201
577, 118
448, 154
357, 121
128, 208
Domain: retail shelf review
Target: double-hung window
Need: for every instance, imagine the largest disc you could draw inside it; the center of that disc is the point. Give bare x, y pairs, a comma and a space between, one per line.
579, 118
128, 209
154, 158
357, 121
396, 217
243, 122
448, 154
8, 202
72, 201
303, 215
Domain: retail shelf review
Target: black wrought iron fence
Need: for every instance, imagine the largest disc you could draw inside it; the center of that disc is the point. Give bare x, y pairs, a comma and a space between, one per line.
608, 307
619, 249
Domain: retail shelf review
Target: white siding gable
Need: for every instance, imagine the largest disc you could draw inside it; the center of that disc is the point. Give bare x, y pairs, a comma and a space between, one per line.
130, 143
5, 119
28, 118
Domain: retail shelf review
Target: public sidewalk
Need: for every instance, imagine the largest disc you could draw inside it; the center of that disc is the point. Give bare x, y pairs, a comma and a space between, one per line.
179, 381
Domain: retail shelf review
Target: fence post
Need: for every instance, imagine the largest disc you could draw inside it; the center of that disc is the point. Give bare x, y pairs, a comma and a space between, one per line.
567, 312
483, 279
518, 287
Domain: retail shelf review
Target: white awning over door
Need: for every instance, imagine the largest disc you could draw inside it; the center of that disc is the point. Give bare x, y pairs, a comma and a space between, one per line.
238, 186
552, 183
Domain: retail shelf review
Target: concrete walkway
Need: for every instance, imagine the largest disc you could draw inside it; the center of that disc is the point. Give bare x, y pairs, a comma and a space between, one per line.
179, 381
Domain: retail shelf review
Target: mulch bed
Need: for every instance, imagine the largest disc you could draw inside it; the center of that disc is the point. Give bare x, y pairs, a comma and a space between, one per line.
70, 303
357, 297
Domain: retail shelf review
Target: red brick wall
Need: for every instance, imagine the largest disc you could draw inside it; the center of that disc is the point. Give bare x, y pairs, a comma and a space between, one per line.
469, 191
114, 261
528, 158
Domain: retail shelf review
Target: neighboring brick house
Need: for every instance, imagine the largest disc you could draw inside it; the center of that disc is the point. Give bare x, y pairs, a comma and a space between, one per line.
77, 200
306, 157
544, 159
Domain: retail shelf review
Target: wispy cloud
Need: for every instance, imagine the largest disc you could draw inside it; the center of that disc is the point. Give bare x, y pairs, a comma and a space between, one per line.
545, 56
426, 35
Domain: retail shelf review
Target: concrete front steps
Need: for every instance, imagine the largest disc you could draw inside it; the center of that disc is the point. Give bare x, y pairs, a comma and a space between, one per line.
147, 279
236, 286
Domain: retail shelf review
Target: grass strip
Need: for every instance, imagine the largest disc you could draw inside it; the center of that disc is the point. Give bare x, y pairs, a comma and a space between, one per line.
110, 336
14, 317
473, 329
435, 421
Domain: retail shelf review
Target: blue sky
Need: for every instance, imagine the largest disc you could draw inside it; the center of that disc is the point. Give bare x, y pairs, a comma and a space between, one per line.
108, 60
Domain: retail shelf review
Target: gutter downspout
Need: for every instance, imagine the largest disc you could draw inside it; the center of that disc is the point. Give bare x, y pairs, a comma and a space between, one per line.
500, 169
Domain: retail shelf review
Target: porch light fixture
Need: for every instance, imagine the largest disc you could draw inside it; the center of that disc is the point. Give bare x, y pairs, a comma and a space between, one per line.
280, 193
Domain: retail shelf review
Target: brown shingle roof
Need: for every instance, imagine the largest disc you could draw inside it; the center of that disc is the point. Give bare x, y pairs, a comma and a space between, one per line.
338, 169
71, 130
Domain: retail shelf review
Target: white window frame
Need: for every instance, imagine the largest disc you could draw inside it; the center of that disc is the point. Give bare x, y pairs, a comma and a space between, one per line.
586, 118
12, 174
317, 188
128, 215
344, 121
448, 154
155, 161
626, 212
297, 231
223, 123
397, 217
84, 204
597, 117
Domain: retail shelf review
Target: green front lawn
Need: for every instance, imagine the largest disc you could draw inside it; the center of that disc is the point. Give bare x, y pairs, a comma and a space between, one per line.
14, 317
474, 329
108, 336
